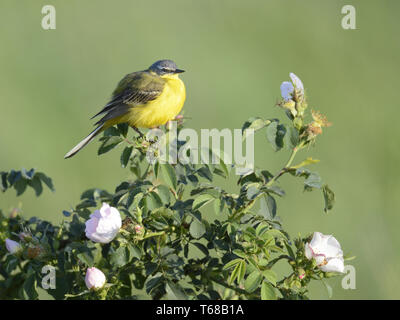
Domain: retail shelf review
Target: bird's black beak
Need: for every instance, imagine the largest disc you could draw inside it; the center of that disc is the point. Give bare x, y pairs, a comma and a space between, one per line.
179, 71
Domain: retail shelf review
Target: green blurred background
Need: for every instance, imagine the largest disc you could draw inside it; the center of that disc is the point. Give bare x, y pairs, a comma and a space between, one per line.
236, 54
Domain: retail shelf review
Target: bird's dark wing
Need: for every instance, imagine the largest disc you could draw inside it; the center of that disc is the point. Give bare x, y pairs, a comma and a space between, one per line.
134, 89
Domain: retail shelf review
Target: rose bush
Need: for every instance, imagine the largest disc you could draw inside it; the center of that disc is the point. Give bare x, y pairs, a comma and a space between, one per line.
170, 231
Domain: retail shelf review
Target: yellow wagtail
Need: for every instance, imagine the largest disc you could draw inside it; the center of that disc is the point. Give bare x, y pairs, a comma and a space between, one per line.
143, 99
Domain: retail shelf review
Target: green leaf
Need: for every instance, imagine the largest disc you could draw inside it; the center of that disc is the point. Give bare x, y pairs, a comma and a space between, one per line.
255, 123
201, 201
328, 289
29, 288
4, 184
224, 168
292, 138
290, 251
253, 191
154, 281
164, 193
239, 253
109, 143
46, 180
276, 190
270, 276
267, 207
238, 272
231, 264
313, 181
276, 233
267, 292
66, 213
13, 176
36, 184
205, 173
169, 175
86, 257
20, 185
10, 263
208, 190
271, 134
197, 229
123, 128
126, 154
134, 252
329, 198
175, 291
153, 201
242, 271
252, 281
201, 247
253, 264
304, 163
156, 169
120, 257
219, 205
275, 135
261, 229
111, 131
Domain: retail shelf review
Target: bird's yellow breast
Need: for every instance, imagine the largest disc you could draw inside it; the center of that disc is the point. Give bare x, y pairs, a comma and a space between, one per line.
159, 111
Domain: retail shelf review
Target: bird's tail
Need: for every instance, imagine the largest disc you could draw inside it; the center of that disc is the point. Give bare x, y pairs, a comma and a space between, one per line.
84, 142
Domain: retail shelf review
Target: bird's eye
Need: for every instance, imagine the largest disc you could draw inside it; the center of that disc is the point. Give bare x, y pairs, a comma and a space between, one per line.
166, 70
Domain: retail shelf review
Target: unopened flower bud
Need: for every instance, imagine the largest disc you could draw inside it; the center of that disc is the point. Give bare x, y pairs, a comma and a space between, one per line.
145, 143
95, 278
139, 229
302, 274
298, 84
24, 236
13, 246
293, 97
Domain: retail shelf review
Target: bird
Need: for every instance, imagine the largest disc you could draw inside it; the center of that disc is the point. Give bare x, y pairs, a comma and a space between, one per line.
143, 99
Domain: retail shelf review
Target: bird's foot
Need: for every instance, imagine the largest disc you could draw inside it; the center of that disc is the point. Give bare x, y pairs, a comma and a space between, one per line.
141, 135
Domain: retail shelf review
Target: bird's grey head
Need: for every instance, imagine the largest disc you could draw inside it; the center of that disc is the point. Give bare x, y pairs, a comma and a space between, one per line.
162, 67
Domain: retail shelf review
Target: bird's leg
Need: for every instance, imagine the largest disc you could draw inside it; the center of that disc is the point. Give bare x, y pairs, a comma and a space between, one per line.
138, 131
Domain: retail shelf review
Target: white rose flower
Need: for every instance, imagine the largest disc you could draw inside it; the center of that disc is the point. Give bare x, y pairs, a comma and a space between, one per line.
95, 278
326, 251
103, 224
13, 246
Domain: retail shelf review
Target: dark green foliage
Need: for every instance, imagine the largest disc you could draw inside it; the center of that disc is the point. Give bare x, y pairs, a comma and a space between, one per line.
20, 180
183, 236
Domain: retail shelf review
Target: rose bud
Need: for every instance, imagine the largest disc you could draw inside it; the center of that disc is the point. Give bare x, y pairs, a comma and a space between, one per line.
138, 228
95, 278
13, 246
302, 274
